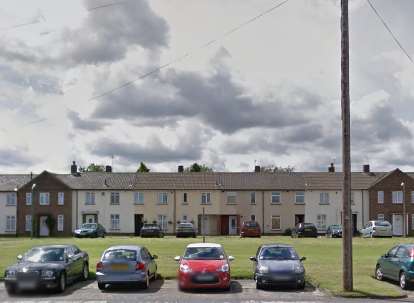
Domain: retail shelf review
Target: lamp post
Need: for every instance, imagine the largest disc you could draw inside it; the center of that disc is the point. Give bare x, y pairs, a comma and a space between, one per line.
32, 211
404, 210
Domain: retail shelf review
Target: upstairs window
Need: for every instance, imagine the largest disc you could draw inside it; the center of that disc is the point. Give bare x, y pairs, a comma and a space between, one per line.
139, 198
300, 197
163, 198
324, 198
11, 199
397, 197
185, 198
380, 197
89, 198
253, 198
205, 198
231, 197
44, 198
114, 198
61, 198
28, 198
275, 197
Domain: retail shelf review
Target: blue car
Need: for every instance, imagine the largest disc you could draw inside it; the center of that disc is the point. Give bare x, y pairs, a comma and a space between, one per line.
397, 265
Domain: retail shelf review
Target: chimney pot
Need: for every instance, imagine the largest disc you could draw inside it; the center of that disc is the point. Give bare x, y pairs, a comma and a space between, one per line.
108, 169
331, 168
257, 169
366, 168
73, 168
180, 168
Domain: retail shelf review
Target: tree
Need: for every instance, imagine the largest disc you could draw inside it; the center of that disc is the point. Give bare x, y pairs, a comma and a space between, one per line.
197, 168
277, 169
142, 168
92, 168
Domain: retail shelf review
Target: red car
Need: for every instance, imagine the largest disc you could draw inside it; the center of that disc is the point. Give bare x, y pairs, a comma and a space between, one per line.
204, 265
250, 229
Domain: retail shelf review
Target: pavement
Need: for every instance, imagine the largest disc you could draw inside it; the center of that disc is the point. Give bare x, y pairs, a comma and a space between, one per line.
166, 291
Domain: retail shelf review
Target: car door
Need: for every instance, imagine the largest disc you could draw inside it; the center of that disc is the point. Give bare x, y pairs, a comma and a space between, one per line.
398, 263
152, 263
145, 257
70, 264
387, 262
257, 260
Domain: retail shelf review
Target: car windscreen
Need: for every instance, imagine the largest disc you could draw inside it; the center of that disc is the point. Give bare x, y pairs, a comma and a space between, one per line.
278, 253
43, 255
150, 226
250, 224
382, 223
120, 255
204, 253
185, 225
336, 227
88, 226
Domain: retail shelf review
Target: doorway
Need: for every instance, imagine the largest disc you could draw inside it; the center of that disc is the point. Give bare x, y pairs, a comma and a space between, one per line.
355, 223
90, 218
397, 225
138, 223
299, 219
43, 227
232, 225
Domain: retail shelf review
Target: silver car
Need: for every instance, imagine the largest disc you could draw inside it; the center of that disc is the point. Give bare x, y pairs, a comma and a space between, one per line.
126, 265
377, 229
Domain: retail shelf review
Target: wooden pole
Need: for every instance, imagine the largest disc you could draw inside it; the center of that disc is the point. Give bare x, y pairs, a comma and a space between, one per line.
347, 278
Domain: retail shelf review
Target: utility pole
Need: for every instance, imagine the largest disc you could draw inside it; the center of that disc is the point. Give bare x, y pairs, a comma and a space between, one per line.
347, 274
203, 227
404, 210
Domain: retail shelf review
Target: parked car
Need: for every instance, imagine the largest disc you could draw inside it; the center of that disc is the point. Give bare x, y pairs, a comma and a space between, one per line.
377, 229
250, 229
90, 230
278, 265
334, 231
398, 265
185, 230
47, 267
204, 265
151, 230
305, 230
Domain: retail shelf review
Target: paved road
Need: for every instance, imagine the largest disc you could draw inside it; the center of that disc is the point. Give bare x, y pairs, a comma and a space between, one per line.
166, 291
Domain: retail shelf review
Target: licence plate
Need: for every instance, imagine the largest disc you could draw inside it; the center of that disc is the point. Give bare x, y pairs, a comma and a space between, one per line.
119, 267
205, 278
308, 229
27, 285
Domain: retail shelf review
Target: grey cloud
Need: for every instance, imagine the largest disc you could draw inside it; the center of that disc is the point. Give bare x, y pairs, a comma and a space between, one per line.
15, 157
84, 124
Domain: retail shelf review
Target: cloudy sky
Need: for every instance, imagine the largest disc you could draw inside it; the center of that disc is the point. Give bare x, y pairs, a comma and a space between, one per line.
266, 94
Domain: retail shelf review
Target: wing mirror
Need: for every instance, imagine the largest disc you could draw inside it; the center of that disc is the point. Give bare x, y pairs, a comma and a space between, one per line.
254, 259
155, 257
177, 258
231, 258
302, 259
19, 257
386, 255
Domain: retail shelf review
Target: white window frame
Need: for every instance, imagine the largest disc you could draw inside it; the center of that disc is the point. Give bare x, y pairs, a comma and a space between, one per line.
231, 197
321, 220
380, 197
299, 194
280, 222
252, 198
381, 217
60, 223
90, 198
139, 198
28, 223
10, 223
205, 198
44, 198
61, 198
162, 222
115, 198
276, 197
163, 198
11, 199
115, 221
324, 198
29, 199
397, 197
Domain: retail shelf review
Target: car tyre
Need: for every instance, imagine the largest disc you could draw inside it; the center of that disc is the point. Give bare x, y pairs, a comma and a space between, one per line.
85, 272
11, 290
404, 284
379, 275
146, 283
258, 284
62, 283
101, 286
301, 286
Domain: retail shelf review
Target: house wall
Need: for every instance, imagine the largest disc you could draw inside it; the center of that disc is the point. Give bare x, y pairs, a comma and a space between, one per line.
6, 210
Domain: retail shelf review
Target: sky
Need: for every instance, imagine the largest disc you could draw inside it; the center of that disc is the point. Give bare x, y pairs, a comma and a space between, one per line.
266, 94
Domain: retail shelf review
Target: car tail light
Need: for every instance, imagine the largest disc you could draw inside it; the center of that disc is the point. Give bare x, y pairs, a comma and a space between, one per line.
99, 266
373, 228
412, 253
140, 266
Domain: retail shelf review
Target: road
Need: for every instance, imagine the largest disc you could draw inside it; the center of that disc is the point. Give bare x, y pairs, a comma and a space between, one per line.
166, 291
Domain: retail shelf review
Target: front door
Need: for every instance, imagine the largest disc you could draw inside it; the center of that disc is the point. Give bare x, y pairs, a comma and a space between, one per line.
43, 227
90, 218
138, 223
397, 225
232, 225
299, 219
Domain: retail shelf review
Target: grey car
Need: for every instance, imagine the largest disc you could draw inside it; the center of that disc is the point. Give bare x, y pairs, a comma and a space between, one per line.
278, 265
127, 264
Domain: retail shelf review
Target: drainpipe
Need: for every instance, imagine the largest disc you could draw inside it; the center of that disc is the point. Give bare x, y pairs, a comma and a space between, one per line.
174, 211
263, 211
77, 210
363, 208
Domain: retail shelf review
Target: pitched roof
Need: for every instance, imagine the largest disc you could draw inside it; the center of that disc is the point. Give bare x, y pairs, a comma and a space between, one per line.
10, 182
333, 181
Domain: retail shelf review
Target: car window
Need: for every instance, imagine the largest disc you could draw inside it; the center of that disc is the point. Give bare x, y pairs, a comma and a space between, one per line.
278, 253
402, 253
258, 251
145, 254
204, 253
392, 251
120, 255
47, 254
76, 250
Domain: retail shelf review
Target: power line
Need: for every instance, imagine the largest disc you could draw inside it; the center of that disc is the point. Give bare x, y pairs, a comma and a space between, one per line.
105, 5
205, 45
390, 31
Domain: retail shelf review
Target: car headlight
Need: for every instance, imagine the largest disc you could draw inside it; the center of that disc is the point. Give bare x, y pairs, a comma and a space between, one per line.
11, 274
263, 269
299, 269
224, 268
47, 273
185, 268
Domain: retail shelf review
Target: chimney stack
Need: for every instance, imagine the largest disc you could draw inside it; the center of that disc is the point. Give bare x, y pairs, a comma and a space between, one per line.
331, 168
108, 169
365, 168
73, 168
257, 169
180, 168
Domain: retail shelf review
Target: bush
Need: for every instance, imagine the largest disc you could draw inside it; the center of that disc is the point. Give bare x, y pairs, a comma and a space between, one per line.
288, 232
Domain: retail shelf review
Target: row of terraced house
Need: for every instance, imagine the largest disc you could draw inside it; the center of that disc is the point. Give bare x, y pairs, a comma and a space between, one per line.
56, 204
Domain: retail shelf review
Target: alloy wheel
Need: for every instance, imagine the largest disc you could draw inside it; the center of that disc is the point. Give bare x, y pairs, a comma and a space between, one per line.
378, 273
62, 282
403, 281
85, 272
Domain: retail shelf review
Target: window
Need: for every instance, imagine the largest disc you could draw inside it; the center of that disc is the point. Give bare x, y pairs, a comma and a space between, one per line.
11, 199
139, 198
205, 198
253, 198
412, 222
61, 198
185, 198
275, 197
11, 223
115, 222
28, 198
44, 198
28, 223
380, 197
300, 197
162, 220
231, 197
397, 197
253, 217
412, 197
163, 198
275, 222
321, 222
89, 198
114, 198
380, 217
60, 225
324, 198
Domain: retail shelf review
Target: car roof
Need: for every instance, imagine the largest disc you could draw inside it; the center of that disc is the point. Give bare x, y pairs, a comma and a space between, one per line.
54, 246
203, 245
127, 247
276, 245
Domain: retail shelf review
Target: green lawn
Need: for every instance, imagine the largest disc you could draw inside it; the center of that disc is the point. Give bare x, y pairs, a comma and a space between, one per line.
323, 264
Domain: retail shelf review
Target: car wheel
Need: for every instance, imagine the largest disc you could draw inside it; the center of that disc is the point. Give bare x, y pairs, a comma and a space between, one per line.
258, 285
62, 283
146, 284
379, 275
11, 290
404, 284
301, 286
85, 272
101, 286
